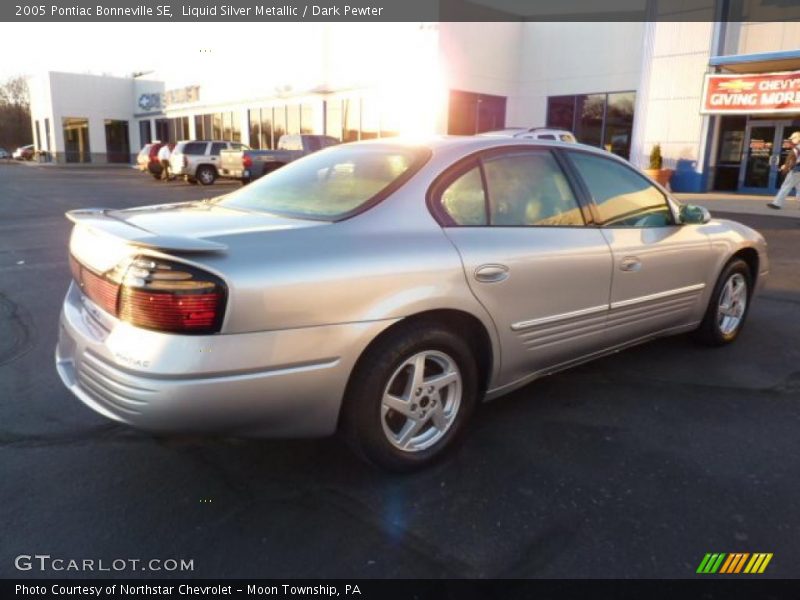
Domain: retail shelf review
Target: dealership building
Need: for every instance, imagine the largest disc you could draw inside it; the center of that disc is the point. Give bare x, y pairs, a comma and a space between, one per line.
719, 98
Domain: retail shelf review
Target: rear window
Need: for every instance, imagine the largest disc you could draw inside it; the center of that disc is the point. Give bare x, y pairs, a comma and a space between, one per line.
292, 143
332, 184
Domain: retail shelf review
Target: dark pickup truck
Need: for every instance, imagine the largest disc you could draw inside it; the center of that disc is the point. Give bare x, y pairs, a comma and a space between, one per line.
248, 165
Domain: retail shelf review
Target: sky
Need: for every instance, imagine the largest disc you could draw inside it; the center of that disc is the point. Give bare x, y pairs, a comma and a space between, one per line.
174, 49
277, 54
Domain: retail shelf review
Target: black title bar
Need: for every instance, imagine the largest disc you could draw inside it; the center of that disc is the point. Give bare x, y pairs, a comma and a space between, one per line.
710, 588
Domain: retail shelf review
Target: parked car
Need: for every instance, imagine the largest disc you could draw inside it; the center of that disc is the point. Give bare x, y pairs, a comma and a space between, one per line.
24, 152
384, 288
147, 159
535, 133
249, 165
4, 154
199, 160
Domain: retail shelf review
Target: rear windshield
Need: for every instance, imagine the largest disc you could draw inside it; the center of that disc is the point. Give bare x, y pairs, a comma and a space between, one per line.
331, 184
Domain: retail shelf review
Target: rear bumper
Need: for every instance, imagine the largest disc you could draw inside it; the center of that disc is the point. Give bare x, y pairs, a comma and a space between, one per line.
287, 383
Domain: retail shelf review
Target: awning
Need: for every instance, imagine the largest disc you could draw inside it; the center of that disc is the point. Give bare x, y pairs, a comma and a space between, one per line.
763, 62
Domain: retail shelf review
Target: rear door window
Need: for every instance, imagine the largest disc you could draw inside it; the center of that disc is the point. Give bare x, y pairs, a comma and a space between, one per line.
530, 189
218, 147
194, 148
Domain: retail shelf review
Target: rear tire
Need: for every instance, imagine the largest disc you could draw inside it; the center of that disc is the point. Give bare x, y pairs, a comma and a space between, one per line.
410, 398
206, 175
728, 306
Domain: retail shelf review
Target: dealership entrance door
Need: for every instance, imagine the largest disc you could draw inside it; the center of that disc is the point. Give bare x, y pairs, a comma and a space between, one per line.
766, 144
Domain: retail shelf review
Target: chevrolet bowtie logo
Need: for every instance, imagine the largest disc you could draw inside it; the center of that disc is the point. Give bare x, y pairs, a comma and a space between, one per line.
737, 85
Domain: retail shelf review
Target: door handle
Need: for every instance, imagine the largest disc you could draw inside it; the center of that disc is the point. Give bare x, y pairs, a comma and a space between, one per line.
491, 273
631, 264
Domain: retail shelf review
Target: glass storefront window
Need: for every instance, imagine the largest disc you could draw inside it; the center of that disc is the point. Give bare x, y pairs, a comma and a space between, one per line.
217, 126
603, 120
76, 140
370, 118
351, 119
279, 122
561, 112
236, 126
145, 136
162, 130
333, 118
118, 148
254, 127
619, 123
293, 119
266, 129
306, 118
470, 113
226, 126
589, 119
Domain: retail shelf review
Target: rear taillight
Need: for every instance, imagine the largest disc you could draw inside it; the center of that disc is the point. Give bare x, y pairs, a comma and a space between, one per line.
157, 294
185, 162
247, 161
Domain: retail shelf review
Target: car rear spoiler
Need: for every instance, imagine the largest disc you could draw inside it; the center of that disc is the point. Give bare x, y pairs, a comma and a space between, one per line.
100, 220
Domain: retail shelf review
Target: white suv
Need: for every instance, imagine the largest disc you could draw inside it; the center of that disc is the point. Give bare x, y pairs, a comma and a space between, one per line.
535, 133
198, 160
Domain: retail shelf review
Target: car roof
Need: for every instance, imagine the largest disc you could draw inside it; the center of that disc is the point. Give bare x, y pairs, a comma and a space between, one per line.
208, 142
469, 142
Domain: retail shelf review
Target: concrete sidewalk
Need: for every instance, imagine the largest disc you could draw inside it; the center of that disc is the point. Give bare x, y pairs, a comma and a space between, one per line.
742, 203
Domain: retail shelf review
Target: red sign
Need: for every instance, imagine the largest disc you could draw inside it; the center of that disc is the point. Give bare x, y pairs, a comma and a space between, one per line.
748, 94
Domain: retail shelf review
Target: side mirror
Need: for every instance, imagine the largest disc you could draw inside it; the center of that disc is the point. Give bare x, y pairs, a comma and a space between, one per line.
692, 214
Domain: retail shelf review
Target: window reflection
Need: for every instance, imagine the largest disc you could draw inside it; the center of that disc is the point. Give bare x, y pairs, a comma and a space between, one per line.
602, 120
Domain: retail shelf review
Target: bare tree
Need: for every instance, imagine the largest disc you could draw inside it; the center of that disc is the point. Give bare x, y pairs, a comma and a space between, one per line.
15, 113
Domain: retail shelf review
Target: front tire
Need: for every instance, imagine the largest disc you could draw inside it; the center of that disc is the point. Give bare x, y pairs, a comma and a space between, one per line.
411, 397
728, 307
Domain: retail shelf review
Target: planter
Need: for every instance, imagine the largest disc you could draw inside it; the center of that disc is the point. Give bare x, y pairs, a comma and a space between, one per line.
662, 176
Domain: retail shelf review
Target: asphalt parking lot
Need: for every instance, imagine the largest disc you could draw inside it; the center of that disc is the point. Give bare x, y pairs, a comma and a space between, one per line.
635, 465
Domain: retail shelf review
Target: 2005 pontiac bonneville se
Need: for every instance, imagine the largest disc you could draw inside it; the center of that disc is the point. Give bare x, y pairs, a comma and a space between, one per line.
383, 288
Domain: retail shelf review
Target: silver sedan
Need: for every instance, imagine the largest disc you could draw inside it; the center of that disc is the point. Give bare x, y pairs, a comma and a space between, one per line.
384, 288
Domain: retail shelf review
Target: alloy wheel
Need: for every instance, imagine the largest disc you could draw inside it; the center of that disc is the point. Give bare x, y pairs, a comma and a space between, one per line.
421, 401
732, 304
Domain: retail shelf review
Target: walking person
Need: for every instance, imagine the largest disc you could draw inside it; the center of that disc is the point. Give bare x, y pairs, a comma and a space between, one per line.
163, 157
790, 168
